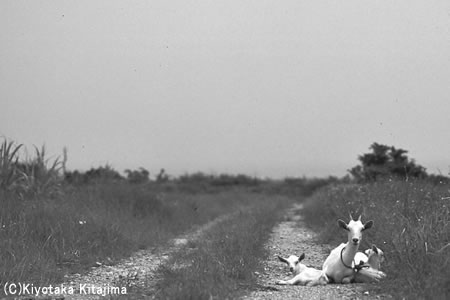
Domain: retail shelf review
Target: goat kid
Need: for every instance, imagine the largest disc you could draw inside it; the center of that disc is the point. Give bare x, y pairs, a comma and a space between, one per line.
339, 264
303, 275
370, 265
373, 256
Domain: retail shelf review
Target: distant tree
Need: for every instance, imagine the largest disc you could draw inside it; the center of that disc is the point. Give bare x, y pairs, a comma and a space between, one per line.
386, 161
74, 177
94, 175
102, 174
438, 179
137, 176
162, 176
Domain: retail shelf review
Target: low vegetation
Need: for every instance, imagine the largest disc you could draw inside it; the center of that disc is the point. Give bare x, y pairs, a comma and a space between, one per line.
45, 237
51, 224
224, 262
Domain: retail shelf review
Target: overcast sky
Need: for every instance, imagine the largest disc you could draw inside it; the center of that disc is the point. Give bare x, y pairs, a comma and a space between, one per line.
266, 88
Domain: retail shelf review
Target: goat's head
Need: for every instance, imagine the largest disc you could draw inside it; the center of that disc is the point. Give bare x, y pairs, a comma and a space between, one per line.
355, 229
293, 262
375, 257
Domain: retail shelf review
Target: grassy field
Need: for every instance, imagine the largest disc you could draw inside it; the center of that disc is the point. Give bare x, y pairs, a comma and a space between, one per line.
412, 226
49, 228
43, 238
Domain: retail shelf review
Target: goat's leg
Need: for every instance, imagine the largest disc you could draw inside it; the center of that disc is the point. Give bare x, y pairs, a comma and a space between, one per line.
287, 282
315, 282
312, 283
284, 282
293, 281
369, 275
347, 279
318, 281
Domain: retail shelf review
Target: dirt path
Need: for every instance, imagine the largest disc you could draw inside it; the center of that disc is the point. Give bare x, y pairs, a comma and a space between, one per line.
293, 237
133, 273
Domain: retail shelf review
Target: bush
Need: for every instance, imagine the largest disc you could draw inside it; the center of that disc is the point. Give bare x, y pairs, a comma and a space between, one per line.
385, 162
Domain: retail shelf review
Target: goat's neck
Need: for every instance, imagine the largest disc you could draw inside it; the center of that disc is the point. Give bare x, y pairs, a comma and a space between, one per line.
301, 268
349, 253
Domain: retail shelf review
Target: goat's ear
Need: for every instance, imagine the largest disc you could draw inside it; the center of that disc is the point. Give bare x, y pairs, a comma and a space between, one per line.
282, 259
342, 224
368, 225
375, 249
302, 257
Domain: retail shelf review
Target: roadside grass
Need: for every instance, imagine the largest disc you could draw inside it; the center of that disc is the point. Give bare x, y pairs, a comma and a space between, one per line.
44, 238
222, 264
411, 226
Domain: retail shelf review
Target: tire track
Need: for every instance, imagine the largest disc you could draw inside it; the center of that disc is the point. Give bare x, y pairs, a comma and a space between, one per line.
135, 274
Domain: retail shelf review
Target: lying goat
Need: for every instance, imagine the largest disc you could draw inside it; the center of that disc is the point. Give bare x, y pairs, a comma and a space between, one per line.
373, 257
303, 275
339, 264
368, 265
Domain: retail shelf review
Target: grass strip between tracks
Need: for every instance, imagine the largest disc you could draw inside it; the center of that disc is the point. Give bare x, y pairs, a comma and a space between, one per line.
218, 265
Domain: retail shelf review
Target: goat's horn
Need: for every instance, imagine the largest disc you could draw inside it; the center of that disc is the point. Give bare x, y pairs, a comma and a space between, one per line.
350, 214
359, 219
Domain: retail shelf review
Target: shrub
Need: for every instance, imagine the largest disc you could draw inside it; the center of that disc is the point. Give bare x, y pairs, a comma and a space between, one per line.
384, 162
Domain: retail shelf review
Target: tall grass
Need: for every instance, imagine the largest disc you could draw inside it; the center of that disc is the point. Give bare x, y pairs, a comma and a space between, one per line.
223, 262
10, 176
44, 238
412, 226
32, 176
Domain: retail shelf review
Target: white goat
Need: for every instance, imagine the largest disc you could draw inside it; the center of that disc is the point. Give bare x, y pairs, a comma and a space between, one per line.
368, 265
339, 264
303, 275
373, 256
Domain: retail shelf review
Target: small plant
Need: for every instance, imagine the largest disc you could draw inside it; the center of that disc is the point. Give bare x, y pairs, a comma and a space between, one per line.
10, 176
